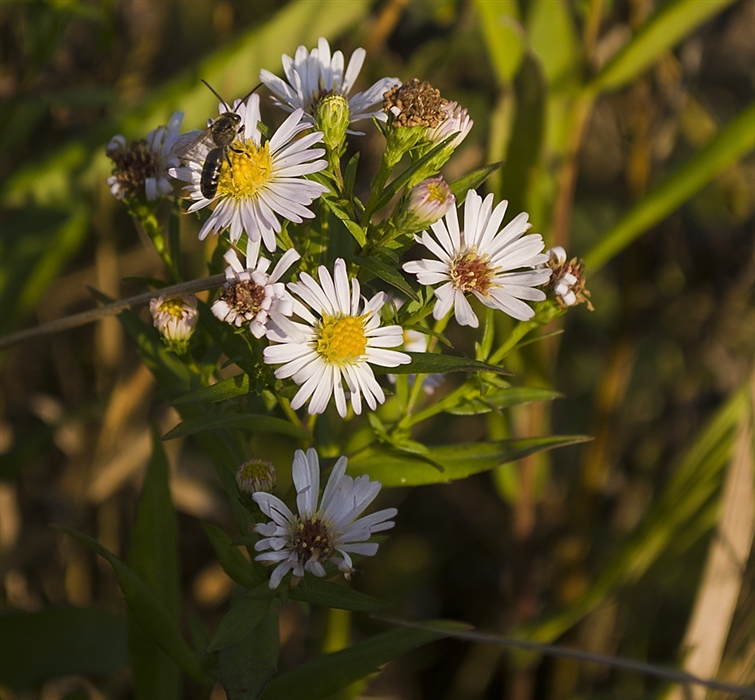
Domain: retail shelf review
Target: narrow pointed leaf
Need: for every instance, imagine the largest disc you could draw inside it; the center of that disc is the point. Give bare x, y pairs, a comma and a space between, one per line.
242, 619
224, 389
333, 595
237, 421
247, 666
502, 398
388, 274
458, 461
147, 610
230, 558
471, 181
154, 558
432, 363
735, 140
674, 21
322, 677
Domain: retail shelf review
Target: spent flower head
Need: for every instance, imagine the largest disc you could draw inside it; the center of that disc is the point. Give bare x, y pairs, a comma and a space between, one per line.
313, 75
327, 529
496, 265
339, 338
250, 293
175, 318
567, 279
141, 168
259, 181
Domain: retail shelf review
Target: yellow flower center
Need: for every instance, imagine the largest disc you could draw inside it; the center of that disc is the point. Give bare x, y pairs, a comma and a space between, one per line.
341, 339
246, 170
437, 192
472, 273
174, 307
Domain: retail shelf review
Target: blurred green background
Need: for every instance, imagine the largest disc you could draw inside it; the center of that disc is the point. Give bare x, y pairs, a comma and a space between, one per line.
627, 130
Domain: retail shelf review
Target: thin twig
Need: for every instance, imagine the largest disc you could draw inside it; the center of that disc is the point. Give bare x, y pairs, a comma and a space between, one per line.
646, 669
67, 322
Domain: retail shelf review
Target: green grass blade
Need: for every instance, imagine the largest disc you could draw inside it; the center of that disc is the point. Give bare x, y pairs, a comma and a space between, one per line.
735, 140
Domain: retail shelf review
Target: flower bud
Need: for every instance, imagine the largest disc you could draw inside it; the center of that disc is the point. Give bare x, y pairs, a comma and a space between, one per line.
424, 205
175, 319
332, 118
255, 475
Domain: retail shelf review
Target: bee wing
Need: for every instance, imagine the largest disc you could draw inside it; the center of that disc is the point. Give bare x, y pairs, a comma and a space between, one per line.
193, 145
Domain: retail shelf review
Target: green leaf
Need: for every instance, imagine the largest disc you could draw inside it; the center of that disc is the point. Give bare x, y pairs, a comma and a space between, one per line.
674, 21
504, 36
501, 398
237, 421
334, 595
735, 140
525, 145
154, 558
387, 273
471, 181
225, 389
342, 209
458, 461
242, 619
146, 609
695, 482
433, 363
246, 667
36, 647
230, 558
322, 677
553, 38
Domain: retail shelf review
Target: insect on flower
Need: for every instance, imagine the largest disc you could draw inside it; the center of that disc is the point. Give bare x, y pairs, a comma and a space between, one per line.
221, 132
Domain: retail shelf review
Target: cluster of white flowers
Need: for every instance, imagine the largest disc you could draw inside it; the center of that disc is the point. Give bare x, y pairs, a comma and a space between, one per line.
321, 333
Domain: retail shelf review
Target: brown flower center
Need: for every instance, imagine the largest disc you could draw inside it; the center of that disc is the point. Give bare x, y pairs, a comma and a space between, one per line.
471, 273
312, 540
244, 296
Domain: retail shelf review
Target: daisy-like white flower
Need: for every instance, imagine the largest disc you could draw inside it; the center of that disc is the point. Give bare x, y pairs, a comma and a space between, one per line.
330, 530
258, 181
250, 293
494, 265
336, 343
315, 74
142, 167
176, 319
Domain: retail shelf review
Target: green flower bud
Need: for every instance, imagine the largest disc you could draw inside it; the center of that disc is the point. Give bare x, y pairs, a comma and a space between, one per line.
332, 118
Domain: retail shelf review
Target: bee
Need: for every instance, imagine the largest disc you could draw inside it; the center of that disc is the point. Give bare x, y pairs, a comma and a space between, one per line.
221, 133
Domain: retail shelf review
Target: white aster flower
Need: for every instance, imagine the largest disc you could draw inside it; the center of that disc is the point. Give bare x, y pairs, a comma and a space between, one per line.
175, 319
258, 181
330, 531
250, 293
336, 343
494, 265
315, 74
143, 166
